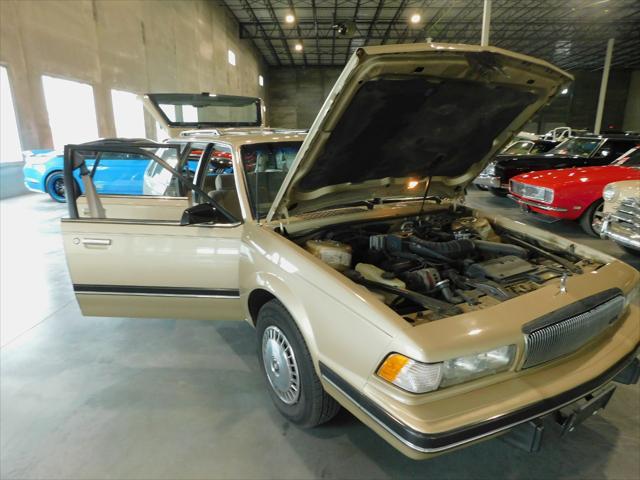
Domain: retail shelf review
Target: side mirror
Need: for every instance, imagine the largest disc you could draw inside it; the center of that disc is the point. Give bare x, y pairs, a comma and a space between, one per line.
202, 213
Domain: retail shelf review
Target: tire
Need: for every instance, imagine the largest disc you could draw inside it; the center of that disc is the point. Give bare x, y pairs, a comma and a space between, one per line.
591, 219
498, 192
54, 186
307, 405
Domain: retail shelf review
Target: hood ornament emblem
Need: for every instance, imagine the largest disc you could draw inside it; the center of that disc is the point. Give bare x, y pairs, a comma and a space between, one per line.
563, 282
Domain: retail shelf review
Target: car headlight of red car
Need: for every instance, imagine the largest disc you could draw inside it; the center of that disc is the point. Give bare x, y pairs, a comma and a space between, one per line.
533, 192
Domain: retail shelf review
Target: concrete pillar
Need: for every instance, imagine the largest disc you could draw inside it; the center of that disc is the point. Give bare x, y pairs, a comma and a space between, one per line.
603, 86
486, 23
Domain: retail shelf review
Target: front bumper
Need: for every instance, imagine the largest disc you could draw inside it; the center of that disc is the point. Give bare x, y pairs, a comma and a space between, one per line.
490, 181
620, 233
418, 444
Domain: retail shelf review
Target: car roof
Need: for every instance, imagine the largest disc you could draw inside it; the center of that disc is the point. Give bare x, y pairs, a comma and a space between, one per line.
242, 136
616, 136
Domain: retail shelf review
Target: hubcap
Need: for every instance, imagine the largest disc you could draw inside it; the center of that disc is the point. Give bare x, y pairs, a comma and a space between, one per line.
58, 187
598, 215
280, 365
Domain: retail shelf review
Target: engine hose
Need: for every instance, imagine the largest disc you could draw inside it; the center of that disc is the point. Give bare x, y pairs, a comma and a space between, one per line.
426, 252
497, 248
452, 248
445, 288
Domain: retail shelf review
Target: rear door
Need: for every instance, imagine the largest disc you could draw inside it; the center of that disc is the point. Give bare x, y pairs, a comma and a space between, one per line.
130, 256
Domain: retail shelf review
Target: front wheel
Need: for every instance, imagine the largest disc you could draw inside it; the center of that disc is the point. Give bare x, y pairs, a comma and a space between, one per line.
286, 364
54, 186
591, 219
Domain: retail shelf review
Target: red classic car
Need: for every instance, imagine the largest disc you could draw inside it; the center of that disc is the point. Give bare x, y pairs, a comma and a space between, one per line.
573, 193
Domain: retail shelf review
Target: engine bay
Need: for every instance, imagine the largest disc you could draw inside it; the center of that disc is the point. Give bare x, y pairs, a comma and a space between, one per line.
439, 264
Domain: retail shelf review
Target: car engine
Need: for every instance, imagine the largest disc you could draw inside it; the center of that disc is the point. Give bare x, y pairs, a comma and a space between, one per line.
439, 264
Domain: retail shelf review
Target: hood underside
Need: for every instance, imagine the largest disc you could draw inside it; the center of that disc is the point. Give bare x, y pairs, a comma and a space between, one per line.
404, 117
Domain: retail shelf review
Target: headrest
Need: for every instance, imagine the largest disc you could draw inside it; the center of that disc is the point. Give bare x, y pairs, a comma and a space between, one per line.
225, 182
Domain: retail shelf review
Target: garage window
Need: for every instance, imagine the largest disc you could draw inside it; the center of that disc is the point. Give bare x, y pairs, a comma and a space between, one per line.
71, 110
10, 148
128, 114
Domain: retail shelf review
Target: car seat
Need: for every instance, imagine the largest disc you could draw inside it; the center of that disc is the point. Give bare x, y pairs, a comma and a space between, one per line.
226, 195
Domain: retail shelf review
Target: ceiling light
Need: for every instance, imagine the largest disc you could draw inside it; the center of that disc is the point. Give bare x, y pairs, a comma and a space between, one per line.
289, 18
415, 18
298, 47
564, 91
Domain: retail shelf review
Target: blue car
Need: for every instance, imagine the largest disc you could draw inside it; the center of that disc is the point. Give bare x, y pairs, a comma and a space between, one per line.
116, 174
119, 174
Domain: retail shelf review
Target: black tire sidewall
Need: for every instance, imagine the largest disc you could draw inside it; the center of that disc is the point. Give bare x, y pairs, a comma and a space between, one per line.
274, 314
49, 186
586, 221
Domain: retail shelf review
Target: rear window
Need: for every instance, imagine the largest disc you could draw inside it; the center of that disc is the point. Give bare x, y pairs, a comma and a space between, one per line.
207, 110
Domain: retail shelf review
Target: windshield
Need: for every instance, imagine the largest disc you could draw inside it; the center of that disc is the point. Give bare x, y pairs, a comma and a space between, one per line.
204, 109
629, 159
518, 148
265, 166
580, 147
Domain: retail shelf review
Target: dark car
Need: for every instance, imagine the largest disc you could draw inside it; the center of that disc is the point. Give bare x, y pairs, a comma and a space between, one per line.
523, 147
588, 150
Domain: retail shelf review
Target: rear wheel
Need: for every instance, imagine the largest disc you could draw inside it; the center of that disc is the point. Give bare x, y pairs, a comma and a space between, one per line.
294, 387
54, 186
591, 219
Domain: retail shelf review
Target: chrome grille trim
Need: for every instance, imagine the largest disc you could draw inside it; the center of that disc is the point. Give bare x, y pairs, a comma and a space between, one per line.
629, 212
568, 335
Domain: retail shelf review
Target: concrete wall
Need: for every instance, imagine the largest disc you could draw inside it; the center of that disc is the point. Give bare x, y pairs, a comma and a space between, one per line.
632, 109
137, 46
296, 94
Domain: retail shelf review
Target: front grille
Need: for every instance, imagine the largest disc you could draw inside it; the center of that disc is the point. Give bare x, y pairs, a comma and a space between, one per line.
628, 212
568, 335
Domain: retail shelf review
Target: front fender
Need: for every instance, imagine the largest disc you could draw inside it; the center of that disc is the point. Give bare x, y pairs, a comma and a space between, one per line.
343, 324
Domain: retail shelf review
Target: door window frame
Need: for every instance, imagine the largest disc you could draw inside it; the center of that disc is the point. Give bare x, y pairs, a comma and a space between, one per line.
72, 162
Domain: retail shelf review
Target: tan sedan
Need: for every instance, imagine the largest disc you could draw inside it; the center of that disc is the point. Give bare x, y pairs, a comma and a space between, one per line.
350, 250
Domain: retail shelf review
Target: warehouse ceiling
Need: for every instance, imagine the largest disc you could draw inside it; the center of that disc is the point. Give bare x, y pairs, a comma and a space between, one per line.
571, 34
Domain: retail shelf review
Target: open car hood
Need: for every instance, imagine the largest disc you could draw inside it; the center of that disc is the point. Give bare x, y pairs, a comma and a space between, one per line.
179, 112
404, 118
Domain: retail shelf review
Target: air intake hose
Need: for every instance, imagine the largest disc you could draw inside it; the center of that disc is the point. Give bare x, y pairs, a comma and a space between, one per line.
452, 248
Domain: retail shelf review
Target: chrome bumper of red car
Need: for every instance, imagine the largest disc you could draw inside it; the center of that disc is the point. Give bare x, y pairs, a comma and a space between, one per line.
541, 206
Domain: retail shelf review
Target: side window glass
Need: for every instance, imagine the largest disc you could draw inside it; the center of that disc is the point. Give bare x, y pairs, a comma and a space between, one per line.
265, 166
120, 181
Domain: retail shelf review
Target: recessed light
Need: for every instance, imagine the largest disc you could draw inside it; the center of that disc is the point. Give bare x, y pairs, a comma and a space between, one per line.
289, 18
298, 47
415, 18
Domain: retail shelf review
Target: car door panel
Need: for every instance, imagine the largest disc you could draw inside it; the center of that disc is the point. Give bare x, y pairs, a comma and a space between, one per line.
138, 207
129, 255
160, 271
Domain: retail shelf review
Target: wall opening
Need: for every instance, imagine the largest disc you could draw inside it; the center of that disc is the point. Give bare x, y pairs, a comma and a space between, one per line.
128, 114
71, 109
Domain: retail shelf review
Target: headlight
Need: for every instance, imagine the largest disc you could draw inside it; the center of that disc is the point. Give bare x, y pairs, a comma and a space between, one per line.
532, 192
463, 369
490, 169
609, 193
418, 377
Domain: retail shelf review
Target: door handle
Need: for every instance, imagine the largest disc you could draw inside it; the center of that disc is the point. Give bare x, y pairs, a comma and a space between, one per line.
104, 242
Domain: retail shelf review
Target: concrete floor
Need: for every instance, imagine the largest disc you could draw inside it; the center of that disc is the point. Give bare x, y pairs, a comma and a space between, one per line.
85, 398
